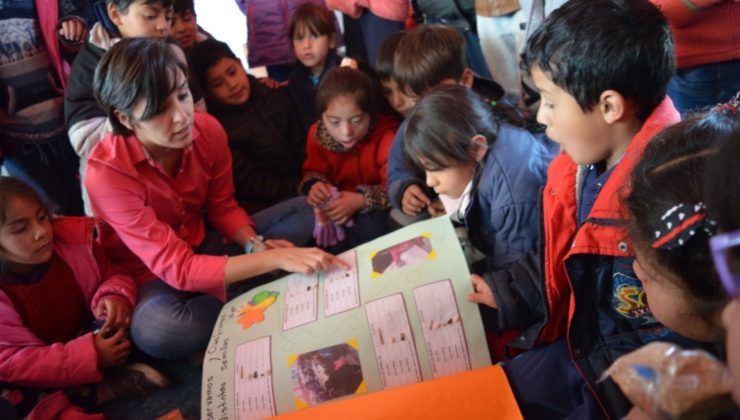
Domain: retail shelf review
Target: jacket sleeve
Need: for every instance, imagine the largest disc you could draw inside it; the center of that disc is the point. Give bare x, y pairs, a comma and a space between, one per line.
118, 199
517, 289
251, 182
399, 175
86, 122
26, 360
116, 282
376, 196
316, 167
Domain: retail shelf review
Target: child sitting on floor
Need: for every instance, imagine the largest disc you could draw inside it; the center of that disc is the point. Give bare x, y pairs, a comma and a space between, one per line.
267, 142
348, 149
54, 283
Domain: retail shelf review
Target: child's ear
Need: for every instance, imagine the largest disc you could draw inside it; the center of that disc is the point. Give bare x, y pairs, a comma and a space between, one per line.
612, 106
333, 41
467, 77
123, 119
480, 143
114, 13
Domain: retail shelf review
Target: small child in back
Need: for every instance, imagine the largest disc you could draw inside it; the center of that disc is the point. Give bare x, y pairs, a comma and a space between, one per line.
314, 36
348, 149
55, 282
397, 99
185, 27
602, 101
267, 141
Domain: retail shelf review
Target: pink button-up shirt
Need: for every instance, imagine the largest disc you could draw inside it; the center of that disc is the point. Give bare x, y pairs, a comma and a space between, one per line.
150, 222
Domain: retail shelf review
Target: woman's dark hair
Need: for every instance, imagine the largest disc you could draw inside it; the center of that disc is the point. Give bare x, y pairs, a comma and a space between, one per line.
440, 128
346, 81
672, 172
317, 19
723, 177
14, 187
136, 69
205, 55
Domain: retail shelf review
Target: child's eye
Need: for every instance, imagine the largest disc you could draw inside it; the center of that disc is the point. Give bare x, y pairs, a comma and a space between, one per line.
356, 120
183, 96
20, 229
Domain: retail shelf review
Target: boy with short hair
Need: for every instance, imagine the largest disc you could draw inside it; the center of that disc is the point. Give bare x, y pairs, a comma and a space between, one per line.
398, 100
602, 68
426, 56
185, 27
85, 120
266, 138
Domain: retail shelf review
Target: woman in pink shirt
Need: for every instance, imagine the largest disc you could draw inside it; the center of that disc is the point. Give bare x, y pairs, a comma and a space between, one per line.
154, 180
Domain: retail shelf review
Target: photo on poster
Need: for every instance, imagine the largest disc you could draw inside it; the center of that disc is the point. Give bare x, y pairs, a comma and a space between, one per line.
402, 254
326, 374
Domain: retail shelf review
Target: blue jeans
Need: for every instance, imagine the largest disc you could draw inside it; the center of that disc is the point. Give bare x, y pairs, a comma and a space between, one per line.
168, 323
696, 88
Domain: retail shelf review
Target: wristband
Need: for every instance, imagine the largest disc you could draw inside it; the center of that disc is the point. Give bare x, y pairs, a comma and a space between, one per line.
254, 244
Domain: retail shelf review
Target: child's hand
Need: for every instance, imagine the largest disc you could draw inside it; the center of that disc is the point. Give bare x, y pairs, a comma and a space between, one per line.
116, 312
341, 209
318, 194
482, 292
112, 351
73, 30
305, 260
414, 200
272, 83
436, 208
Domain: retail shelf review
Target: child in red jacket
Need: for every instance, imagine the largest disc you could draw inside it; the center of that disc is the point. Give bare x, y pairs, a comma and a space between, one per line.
348, 149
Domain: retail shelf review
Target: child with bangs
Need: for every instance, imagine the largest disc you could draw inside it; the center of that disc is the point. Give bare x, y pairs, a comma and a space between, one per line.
344, 175
314, 35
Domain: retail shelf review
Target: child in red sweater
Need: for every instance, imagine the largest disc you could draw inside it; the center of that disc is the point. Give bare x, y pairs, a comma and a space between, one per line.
347, 148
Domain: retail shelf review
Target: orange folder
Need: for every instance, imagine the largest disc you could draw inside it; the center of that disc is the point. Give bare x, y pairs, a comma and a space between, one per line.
479, 393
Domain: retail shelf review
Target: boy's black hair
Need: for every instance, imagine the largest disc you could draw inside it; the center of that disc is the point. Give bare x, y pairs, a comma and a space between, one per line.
182, 6
384, 62
136, 69
123, 5
440, 128
672, 171
588, 46
205, 55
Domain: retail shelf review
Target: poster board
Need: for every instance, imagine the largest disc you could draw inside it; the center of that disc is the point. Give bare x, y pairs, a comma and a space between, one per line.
399, 316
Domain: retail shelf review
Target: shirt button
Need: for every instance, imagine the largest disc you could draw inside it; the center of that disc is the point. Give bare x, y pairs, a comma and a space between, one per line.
552, 191
577, 352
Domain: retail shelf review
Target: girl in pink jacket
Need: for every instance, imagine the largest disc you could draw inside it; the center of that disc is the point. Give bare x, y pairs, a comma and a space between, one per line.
54, 283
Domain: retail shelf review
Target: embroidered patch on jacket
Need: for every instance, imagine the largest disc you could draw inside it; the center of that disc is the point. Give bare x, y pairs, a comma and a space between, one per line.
629, 299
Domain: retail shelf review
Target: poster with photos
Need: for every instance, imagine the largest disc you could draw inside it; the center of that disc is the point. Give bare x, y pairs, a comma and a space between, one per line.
397, 316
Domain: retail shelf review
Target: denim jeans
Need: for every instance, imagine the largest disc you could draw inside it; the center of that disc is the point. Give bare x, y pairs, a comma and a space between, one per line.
168, 323
696, 88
